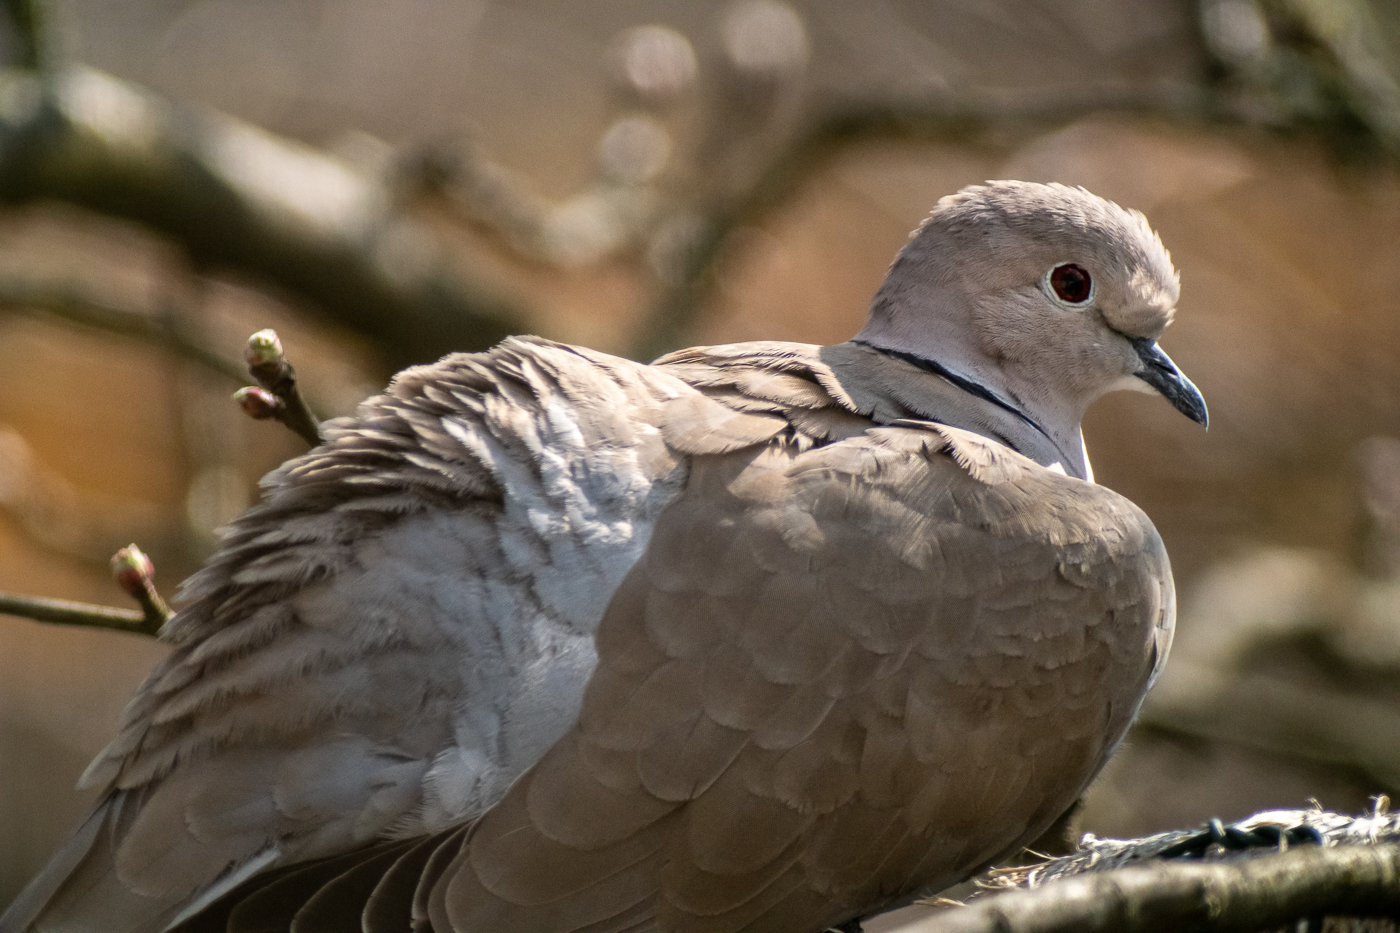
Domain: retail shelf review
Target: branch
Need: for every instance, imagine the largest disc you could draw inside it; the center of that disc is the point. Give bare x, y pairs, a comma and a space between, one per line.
1282, 709
26, 21
606, 220
133, 572
236, 197
86, 310
279, 396
1285, 734
1223, 897
1273, 868
968, 118
85, 615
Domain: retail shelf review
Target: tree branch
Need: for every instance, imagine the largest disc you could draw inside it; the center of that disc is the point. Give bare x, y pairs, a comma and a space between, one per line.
1243, 896
26, 20
85, 615
1271, 869
76, 307
234, 196
280, 397
134, 573
969, 117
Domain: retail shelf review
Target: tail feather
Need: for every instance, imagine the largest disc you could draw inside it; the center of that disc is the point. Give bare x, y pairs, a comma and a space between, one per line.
81, 881
81, 874
329, 895
21, 914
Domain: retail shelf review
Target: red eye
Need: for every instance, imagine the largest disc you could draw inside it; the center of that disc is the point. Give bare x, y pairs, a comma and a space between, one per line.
1070, 282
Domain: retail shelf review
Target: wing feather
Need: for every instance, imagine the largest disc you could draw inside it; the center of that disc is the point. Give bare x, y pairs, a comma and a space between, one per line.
878, 699
400, 628
389, 907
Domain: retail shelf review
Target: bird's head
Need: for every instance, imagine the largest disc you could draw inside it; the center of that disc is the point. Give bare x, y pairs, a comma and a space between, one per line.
1044, 294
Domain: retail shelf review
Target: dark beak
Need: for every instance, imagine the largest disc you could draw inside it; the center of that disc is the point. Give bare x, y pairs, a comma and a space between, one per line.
1161, 373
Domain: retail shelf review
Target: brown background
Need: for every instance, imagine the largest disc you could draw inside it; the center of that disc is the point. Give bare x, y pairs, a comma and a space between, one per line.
1286, 233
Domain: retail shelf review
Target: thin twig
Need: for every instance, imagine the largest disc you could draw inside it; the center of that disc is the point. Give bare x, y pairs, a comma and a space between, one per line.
85, 615
78, 308
280, 398
1278, 736
968, 117
135, 573
1242, 896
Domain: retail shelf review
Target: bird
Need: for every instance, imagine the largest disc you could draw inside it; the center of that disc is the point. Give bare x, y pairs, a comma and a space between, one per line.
757, 637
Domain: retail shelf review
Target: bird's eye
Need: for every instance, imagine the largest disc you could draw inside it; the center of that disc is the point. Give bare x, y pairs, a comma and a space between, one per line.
1071, 283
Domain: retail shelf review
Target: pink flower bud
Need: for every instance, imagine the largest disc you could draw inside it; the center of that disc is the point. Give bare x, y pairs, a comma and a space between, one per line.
132, 569
258, 403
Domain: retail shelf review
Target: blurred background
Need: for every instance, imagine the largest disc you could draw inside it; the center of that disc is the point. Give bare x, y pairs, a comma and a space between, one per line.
383, 181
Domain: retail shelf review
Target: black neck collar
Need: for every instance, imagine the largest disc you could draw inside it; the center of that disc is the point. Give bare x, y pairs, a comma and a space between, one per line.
962, 382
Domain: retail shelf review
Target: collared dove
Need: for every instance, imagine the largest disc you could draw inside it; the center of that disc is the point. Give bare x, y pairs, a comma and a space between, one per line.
864, 623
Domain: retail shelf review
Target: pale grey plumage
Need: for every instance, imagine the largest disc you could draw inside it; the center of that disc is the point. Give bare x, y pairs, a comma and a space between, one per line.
869, 611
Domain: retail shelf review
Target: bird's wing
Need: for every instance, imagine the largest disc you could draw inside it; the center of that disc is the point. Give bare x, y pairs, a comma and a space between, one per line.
835, 677
402, 626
